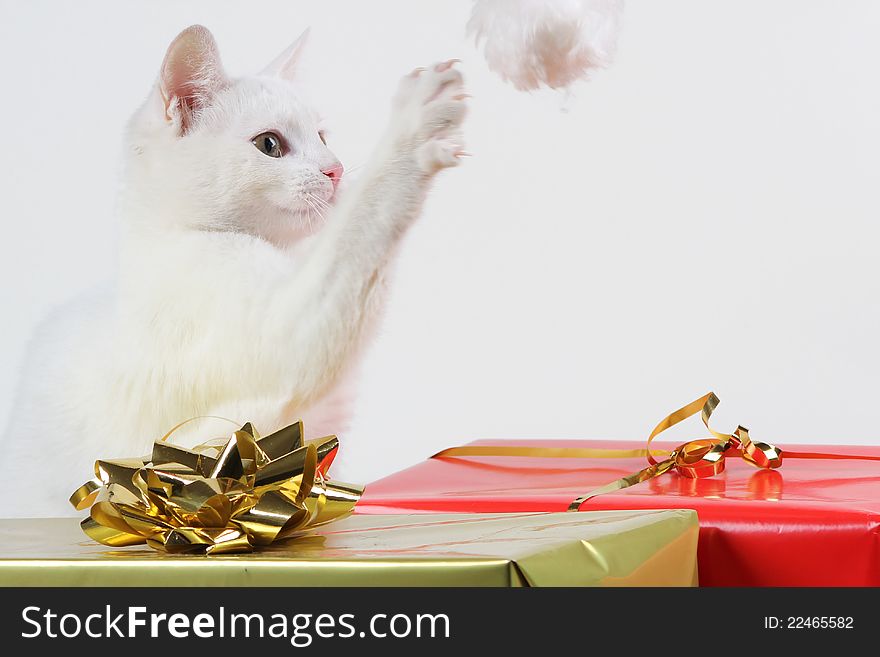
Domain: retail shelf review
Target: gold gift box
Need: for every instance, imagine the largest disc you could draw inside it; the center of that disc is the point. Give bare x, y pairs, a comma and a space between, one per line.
600, 548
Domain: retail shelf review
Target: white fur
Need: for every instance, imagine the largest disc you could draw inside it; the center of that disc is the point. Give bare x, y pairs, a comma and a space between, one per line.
532, 43
235, 296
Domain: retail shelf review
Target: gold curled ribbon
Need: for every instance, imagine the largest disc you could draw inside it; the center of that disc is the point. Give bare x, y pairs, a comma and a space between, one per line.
696, 459
222, 496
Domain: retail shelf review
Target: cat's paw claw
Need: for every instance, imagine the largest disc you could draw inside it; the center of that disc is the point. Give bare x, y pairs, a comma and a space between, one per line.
439, 154
445, 66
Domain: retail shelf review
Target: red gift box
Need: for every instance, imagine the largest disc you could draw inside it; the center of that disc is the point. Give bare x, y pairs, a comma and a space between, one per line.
812, 522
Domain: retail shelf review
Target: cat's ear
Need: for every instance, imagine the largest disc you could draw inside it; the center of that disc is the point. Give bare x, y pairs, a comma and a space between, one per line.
284, 66
190, 76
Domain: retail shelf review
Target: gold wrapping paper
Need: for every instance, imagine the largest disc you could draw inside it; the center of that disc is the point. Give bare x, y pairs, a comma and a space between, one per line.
223, 496
600, 548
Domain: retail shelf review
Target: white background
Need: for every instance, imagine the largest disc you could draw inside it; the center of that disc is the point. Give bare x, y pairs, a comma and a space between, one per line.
700, 216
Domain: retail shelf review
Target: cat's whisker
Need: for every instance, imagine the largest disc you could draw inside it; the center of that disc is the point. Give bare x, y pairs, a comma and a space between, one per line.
318, 201
349, 170
309, 199
318, 205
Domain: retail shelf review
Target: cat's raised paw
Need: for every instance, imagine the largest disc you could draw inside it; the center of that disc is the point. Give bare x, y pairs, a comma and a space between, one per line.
429, 110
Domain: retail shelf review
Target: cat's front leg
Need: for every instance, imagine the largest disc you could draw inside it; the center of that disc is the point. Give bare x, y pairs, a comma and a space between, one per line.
423, 137
334, 299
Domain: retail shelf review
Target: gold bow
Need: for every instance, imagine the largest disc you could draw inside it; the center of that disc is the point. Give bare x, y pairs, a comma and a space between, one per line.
222, 496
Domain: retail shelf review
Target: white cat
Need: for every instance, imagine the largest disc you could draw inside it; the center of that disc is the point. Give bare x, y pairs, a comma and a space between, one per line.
242, 291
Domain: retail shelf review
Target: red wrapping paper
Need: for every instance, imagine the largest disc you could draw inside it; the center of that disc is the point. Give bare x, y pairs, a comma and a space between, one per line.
809, 523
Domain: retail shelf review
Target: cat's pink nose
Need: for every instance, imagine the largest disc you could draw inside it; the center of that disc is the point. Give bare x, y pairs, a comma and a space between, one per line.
334, 173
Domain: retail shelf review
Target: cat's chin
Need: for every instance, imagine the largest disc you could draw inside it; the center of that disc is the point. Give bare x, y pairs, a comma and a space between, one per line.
293, 227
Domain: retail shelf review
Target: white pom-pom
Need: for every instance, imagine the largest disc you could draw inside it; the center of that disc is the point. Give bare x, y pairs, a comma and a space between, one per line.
531, 43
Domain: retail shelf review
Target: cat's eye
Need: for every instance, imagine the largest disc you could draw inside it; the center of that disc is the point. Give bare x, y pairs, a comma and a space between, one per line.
268, 143
322, 137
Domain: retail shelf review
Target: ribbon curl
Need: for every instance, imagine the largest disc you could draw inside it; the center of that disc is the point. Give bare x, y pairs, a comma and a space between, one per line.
220, 497
696, 459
